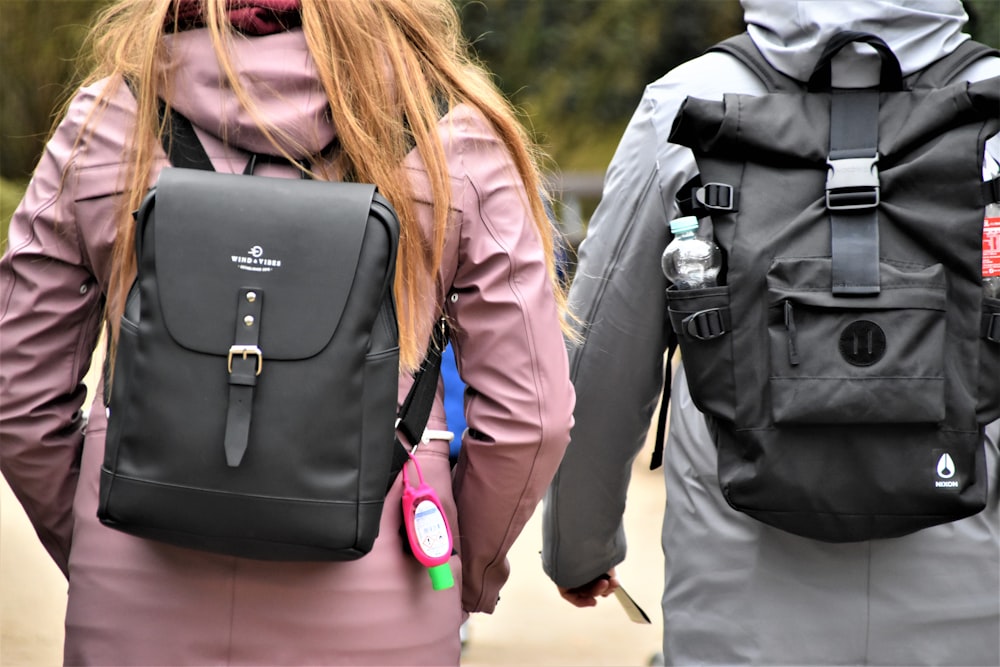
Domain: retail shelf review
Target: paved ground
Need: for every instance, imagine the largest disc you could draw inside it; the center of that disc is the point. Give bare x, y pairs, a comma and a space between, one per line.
532, 626
32, 593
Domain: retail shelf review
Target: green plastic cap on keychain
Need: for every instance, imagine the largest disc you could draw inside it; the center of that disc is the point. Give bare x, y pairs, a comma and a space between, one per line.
441, 577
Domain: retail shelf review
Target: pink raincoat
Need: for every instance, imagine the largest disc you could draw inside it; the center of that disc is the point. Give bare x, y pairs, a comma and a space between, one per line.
134, 601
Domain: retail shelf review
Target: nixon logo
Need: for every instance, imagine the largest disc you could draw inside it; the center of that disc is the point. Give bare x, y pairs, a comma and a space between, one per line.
946, 470
862, 343
946, 467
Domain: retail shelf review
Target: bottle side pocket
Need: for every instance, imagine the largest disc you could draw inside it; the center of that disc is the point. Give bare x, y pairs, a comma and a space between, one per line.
701, 320
988, 407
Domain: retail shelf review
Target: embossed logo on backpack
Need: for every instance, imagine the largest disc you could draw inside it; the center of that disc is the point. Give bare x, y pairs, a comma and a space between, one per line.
255, 260
862, 343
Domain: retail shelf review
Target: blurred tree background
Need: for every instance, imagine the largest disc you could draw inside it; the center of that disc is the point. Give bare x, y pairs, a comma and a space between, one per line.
576, 67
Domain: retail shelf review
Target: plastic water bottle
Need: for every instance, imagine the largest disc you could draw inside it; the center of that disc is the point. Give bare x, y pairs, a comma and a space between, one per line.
689, 261
991, 240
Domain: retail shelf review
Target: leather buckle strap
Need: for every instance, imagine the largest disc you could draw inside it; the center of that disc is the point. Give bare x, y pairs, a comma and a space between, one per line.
245, 351
245, 363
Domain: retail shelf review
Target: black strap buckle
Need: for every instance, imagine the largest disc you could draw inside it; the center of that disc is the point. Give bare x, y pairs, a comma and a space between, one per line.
852, 183
705, 324
716, 197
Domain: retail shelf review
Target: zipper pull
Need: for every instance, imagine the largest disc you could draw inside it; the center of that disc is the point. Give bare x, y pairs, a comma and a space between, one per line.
793, 353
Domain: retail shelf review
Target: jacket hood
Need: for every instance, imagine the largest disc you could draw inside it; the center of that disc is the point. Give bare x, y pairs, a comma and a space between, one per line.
791, 34
280, 77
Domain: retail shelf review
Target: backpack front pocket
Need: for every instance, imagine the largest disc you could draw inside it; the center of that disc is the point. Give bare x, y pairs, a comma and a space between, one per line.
860, 359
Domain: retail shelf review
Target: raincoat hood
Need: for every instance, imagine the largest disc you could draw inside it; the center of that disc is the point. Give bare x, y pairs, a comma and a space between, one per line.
280, 76
791, 34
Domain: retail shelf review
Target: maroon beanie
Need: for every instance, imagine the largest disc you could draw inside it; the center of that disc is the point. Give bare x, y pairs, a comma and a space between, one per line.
252, 17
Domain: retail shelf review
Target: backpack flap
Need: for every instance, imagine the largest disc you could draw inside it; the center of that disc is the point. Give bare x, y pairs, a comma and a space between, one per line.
265, 291
304, 265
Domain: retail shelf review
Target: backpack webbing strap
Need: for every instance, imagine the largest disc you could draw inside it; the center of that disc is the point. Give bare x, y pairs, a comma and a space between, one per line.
661, 417
946, 70
991, 191
990, 327
743, 49
181, 143
852, 182
706, 324
699, 200
890, 75
852, 192
416, 408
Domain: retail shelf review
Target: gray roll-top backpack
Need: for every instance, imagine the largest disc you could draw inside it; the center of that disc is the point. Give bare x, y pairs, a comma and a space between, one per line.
848, 360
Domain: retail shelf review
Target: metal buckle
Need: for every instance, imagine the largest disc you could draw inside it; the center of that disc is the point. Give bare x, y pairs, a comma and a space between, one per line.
852, 183
245, 351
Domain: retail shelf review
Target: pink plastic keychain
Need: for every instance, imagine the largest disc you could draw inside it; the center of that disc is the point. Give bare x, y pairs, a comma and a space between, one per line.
427, 529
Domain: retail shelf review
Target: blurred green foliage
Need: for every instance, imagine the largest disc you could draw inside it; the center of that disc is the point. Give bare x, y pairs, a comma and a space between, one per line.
10, 195
576, 67
39, 43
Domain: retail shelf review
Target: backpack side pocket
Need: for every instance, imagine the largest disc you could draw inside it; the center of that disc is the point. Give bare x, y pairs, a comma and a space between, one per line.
117, 393
988, 408
702, 322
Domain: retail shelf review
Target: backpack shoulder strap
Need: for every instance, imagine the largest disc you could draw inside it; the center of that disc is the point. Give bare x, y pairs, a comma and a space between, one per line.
179, 140
181, 143
660, 437
743, 49
946, 70
416, 408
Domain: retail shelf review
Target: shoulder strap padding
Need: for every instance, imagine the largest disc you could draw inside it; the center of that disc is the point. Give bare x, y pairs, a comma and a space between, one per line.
946, 70
743, 49
936, 75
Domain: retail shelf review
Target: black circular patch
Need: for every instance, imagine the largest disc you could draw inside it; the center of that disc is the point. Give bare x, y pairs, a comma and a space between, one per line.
862, 343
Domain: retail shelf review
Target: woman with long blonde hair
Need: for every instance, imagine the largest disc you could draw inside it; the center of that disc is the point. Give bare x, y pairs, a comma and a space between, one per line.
377, 91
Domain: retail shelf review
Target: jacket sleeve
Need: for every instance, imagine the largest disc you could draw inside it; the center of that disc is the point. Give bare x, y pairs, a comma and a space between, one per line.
50, 312
617, 368
510, 353
619, 295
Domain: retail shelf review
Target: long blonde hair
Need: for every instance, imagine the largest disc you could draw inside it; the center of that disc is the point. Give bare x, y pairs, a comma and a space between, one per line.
353, 43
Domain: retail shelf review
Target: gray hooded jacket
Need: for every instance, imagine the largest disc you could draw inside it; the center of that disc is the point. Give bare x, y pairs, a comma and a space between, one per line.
737, 591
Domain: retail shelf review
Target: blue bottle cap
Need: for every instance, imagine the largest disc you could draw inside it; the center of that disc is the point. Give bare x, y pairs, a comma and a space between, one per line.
686, 224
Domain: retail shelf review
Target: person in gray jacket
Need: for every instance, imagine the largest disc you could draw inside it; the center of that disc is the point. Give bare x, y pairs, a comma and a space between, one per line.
737, 591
